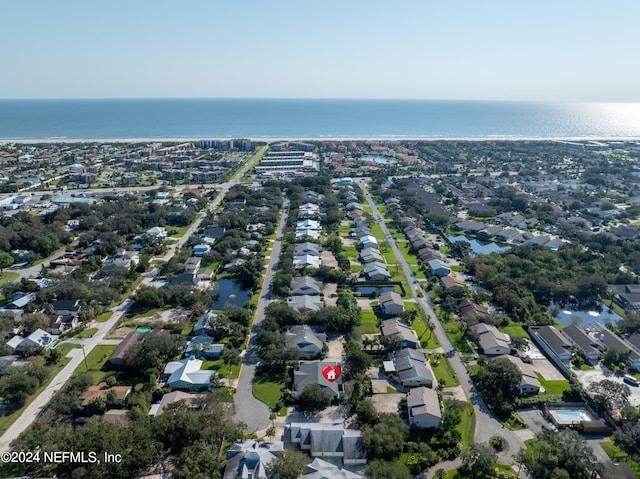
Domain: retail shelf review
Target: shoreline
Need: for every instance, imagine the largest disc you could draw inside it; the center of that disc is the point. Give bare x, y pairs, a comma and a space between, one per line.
32, 141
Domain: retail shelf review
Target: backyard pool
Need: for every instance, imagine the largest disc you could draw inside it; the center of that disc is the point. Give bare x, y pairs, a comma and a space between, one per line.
569, 415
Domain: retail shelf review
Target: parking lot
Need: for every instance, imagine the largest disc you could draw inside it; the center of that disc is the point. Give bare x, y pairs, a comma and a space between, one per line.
600, 372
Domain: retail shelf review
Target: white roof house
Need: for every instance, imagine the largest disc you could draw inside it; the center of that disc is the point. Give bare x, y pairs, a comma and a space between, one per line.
157, 231
186, 374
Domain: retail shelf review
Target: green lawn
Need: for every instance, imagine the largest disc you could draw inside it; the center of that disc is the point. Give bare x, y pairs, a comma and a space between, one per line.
222, 368
377, 231
355, 268
104, 316
467, 426
389, 256
87, 333
618, 455
351, 251
368, 322
95, 361
8, 277
64, 348
443, 371
404, 246
557, 386
515, 330
427, 339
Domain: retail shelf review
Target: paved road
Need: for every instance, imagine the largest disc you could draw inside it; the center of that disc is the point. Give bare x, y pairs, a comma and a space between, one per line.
254, 413
486, 425
76, 355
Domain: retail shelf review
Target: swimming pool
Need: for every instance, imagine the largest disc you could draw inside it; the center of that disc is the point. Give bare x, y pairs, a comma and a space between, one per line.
567, 416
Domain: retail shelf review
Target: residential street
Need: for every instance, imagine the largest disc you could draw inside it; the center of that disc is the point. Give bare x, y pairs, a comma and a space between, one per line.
76, 355
248, 409
486, 425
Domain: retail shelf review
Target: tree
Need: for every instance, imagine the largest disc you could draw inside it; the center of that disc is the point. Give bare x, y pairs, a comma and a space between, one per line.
356, 361
477, 460
386, 439
610, 395
379, 469
314, 398
440, 474
288, 465
498, 382
6, 260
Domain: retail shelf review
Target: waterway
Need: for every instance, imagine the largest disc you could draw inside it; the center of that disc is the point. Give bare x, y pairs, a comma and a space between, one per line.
227, 291
480, 247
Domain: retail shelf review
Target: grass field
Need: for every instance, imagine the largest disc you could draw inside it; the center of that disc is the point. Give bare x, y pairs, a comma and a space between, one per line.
95, 361
8, 277
104, 316
515, 330
444, 372
618, 455
557, 386
377, 231
87, 333
420, 326
368, 322
467, 426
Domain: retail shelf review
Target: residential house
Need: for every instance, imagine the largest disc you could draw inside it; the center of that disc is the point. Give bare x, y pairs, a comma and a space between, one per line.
182, 280
202, 326
491, 341
438, 268
157, 232
468, 309
369, 255
590, 346
391, 303
122, 259
214, 231
553, 343
376, 271
308, 210
250, 459
329, 440
192, 264
449, 282
38, 339
301, 285
320, 469
305, 340
410, 368
529, 384
611, 341
312, 303
59, 323
310, 372
306, 261
203, 346
368, 241
395, 327
626, 295
307, 233
307, 248
66, 307
186, 374
118, 358
424, 408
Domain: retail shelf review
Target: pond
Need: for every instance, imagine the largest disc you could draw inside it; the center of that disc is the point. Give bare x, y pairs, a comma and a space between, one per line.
227, 291
377, 159
597, 314
480, 247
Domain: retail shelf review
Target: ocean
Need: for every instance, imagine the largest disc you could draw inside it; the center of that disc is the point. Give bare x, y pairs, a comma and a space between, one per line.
131, 119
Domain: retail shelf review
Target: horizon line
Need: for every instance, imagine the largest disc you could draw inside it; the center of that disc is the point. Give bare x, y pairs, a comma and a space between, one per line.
476, 100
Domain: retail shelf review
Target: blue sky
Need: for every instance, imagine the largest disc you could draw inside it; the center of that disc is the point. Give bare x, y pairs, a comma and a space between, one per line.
561, 50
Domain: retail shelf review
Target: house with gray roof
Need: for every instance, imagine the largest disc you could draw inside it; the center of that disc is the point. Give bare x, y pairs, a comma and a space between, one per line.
553, 343
329, 440
305, 340
424, 408
411, 369
305, 301
395, 327
320, 469
307, 248
203, 346
367, 241
250, 459
202, 326
376, 271
302, 285
391, 302
612, 341
583, 341
368, 255
529, 383
310, 372
38, 339
491, 341
186, 374
438, 267
306, 261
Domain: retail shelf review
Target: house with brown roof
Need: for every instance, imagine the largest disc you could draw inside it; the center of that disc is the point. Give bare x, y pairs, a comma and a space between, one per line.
491, 341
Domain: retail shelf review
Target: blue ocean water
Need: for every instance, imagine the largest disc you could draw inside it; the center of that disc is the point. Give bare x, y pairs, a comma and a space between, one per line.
312, 119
